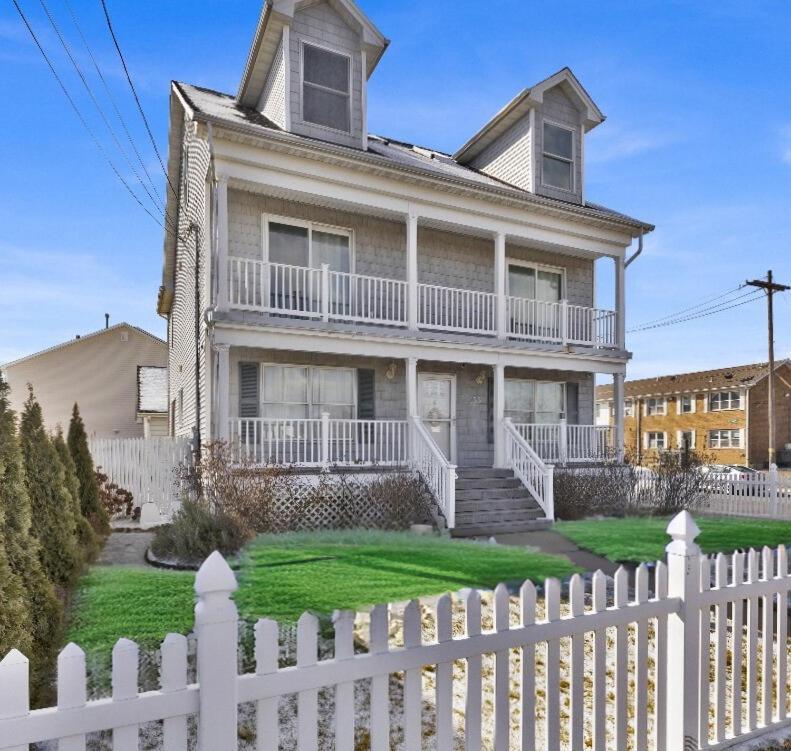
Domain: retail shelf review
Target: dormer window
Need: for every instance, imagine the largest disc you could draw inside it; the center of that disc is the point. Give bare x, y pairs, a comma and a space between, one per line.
558, 163
326, 87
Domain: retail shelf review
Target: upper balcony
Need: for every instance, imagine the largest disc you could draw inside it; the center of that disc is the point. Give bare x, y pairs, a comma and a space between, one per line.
323, 294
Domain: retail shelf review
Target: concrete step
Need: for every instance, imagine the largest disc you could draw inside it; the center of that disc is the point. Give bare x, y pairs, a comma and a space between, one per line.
486, 530
477, 473
490, 493
505, 516
497, 504
485, 483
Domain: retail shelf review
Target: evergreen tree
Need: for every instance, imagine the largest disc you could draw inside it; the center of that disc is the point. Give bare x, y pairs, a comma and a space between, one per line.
45, 478
90, 504
44, 615
87, 539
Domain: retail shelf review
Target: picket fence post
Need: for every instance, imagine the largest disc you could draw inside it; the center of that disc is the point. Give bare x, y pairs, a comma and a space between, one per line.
683, 633
216, 631
774, 481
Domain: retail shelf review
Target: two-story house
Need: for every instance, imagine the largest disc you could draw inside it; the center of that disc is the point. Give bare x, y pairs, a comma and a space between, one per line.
338, 298
720, 413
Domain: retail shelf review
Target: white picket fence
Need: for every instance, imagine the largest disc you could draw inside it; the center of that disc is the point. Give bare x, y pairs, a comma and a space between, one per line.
688, 662
146, 467
763, 495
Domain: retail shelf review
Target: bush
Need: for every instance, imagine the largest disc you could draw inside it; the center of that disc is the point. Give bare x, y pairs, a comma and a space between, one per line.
83, 462
675, 482
608, 490
196, 531
115, 500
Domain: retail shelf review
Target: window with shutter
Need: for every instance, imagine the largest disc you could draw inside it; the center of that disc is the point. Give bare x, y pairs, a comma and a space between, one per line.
572, 403
249, 398
366, 395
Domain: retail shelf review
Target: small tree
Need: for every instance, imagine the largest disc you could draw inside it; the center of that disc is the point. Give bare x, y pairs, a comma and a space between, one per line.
53, 521
90, 504
87, 539
41, 619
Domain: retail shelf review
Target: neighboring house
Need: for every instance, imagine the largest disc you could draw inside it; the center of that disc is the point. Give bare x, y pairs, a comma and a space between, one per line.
721, 413
415, 298
152, 400
99, 372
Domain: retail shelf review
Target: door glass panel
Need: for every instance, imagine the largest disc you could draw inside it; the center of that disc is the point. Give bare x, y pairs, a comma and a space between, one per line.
331, 249
522, 282
436, 411
288, 244
548, 286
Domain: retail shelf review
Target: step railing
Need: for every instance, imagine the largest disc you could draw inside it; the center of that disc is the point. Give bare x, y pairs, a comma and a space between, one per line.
320, 442
561, 443
327, 295
528, 466
437, 472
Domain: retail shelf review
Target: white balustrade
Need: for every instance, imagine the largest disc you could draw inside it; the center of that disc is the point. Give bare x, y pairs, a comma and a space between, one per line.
435, 469
528, 466
560, 443
450, 309
368, 299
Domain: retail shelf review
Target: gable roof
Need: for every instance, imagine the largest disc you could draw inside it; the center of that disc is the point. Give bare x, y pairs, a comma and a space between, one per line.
275, 14
521, 104
81, 338
152, 388
738, 376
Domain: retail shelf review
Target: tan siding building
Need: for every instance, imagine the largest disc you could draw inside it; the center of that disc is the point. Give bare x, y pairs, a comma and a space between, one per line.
98, 371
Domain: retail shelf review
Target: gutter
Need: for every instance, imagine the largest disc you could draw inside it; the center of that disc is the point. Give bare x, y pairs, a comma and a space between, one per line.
634, 255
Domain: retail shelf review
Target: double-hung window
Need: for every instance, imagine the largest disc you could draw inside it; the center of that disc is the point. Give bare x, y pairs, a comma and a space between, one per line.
535, 401
723, 400
655, 440
300, 392
686, 404
558, 157
656, 406
628, 408
725, 439
326, 87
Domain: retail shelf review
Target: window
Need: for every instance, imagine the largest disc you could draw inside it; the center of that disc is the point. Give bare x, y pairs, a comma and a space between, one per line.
724, 400
325, 88
686, 404
725, 439
655, 440
686, 440
299, 392
628, 408
532, 401
307, 244
656, 406
533, 282
558, 160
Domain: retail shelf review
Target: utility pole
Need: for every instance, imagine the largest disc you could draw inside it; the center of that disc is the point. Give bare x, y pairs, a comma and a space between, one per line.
770, 287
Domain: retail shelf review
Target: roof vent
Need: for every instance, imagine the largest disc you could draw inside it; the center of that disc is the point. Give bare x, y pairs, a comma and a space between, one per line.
77, 337
728, 375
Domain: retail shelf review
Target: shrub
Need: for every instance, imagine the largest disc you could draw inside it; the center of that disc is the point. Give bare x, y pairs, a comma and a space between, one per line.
54, 523
607, 490
196, 531
89, 489
675, 482
115, 500
43, 619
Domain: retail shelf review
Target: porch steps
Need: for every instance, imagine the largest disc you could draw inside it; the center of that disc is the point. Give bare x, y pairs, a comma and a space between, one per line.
491, 501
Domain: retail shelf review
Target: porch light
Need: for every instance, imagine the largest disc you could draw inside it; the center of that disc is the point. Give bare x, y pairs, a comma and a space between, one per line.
481, 378
390, 373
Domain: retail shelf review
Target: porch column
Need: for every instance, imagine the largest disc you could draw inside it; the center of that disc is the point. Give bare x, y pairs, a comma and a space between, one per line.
620, 302
411, 387
498, 413
499, 284
222, 243
223, 391
411, 269
618, 397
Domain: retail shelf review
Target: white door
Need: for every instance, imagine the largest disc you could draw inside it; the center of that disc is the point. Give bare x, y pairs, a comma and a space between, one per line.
437, 407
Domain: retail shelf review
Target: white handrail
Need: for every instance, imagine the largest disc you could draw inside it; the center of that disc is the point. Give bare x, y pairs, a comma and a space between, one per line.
561, 443
452, 309
528, 466
437, 472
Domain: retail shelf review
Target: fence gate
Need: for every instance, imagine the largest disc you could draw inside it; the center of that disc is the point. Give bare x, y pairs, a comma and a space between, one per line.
146, 467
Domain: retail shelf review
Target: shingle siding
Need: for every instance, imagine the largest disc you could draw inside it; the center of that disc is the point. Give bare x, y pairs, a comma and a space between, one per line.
321, 25
273, 98
509, 157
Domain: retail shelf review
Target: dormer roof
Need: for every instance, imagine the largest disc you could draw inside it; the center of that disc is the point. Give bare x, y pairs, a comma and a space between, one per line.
275, 14
521, 104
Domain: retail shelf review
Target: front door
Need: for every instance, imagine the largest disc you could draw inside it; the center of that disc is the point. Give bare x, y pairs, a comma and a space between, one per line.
437, 407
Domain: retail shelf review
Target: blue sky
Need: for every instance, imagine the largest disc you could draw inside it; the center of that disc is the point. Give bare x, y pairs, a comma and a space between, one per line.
697, 141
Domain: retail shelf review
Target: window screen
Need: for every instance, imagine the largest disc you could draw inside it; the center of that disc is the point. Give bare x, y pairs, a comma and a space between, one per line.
325, 88
558, 159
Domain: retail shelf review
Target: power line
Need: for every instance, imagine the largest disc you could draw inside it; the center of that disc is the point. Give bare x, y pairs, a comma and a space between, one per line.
717, 309
96, 104
137, 98
707, 301
111, 98
80, 117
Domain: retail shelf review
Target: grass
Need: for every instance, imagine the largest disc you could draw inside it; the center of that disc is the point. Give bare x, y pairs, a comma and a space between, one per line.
637, 539
281, 576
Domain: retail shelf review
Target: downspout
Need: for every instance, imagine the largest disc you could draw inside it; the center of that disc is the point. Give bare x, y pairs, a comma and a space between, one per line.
636, 253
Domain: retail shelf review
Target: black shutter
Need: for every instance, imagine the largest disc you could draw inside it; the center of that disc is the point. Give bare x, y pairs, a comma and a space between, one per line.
248, 389
573, 403
366, 397
489, 410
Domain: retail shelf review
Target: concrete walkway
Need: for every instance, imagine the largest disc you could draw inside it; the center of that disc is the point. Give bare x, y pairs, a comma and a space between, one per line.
547, 541
125, 549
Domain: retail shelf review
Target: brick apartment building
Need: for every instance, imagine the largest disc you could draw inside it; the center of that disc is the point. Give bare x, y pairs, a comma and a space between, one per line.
721, 413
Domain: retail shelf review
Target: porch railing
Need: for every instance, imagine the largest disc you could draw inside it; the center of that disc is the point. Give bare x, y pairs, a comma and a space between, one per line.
333, 295
437, 472
560, 443
320, 442
528, 466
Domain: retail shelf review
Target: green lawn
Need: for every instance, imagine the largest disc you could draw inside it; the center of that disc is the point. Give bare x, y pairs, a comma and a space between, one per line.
644, 539
281, 576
